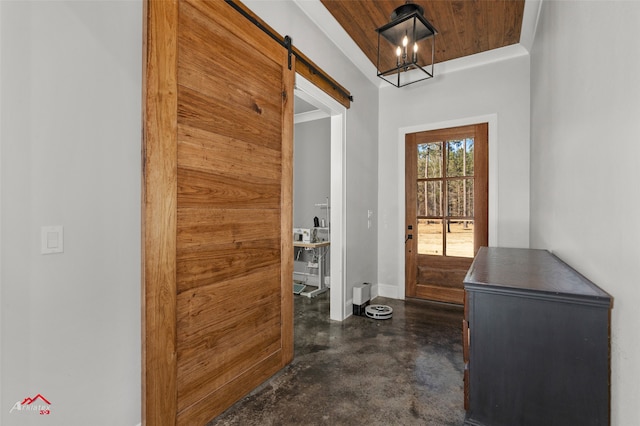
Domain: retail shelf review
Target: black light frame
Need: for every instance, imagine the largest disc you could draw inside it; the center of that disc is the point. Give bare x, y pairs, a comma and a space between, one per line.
409, 20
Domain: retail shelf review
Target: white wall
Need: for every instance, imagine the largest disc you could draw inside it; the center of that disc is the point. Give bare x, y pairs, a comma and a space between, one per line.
311, 171
585, 201
362, 133
498, 93
70, 129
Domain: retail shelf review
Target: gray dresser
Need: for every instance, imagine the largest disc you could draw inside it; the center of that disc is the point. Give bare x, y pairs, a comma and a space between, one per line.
536, 342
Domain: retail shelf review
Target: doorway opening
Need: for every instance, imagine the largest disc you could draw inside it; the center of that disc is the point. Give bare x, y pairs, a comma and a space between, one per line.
328, 205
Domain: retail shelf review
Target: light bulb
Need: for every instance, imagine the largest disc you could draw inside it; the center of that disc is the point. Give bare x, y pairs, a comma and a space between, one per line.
405, 41
398, 51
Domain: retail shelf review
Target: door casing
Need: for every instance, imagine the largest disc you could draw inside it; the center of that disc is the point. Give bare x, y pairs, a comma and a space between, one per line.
315, 96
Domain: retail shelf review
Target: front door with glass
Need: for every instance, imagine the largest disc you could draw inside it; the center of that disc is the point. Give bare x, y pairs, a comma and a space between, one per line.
446, 182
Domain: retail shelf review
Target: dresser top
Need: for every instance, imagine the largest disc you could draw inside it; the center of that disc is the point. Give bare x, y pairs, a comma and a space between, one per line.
529, 270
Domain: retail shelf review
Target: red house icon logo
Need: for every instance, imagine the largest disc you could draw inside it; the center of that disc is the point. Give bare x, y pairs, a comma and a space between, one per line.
30, 401
38, 404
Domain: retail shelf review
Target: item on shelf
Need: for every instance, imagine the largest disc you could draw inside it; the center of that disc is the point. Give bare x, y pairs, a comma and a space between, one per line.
302, 235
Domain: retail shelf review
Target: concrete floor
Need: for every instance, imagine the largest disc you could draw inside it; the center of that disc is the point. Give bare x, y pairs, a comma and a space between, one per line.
403, 371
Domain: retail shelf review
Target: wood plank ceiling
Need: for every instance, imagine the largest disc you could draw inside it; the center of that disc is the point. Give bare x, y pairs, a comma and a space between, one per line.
465, 27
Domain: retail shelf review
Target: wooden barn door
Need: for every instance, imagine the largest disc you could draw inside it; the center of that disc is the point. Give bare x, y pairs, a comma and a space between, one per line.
218, 131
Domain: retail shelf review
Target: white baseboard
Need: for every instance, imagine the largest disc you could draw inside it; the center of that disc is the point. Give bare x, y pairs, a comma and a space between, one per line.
387, 290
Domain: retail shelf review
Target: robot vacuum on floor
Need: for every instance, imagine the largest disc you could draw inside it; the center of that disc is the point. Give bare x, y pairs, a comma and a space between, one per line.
379, 312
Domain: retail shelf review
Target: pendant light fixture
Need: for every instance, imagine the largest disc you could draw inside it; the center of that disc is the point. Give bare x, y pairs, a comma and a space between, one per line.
406, 46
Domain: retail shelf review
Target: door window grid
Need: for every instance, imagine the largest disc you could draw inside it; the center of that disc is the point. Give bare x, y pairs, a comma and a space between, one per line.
450, 233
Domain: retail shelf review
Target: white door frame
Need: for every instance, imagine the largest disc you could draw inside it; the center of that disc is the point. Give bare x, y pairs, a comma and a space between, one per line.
310, 93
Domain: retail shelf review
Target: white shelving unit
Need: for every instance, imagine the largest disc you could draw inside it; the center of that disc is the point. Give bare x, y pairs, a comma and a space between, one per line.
319, 245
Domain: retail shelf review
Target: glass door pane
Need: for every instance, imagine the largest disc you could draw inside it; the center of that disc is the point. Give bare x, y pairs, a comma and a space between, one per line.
460, 198
430, 160
460, 238
429, 198
430, 236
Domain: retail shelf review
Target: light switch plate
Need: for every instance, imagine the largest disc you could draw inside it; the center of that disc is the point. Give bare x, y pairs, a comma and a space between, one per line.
52, 240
